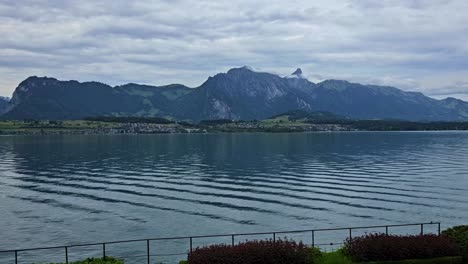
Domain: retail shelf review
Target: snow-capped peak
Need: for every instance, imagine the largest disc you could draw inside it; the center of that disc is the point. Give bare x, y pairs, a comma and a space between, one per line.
297, 74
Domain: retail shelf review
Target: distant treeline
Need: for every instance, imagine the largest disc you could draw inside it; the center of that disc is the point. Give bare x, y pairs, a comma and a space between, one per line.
130, 119
211, 122
369, 125
396, 125
216, 122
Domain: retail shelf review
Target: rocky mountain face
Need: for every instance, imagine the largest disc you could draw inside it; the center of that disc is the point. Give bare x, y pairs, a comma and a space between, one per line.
3, 104
245, 94
241, 93
382, 102
49, 98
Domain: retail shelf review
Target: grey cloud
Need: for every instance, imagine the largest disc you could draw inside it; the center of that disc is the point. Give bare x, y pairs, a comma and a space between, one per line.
455, 88
386, 42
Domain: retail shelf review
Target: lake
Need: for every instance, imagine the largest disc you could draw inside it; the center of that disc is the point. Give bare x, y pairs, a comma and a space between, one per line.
68, 189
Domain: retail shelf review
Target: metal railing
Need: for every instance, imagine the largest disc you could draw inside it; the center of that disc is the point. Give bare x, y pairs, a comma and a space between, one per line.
190, 239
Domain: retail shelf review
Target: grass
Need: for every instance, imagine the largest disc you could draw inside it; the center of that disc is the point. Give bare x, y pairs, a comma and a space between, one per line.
69, 124
335, 257
10, 124
282, 121
444, 260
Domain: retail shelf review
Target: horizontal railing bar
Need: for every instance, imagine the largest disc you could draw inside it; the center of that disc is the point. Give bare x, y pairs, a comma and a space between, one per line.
151, 255
330, 244
218, 235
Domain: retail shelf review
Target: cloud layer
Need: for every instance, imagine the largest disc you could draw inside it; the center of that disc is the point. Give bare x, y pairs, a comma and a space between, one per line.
419, 45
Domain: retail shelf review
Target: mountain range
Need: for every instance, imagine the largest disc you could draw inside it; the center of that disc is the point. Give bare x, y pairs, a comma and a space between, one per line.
240, 94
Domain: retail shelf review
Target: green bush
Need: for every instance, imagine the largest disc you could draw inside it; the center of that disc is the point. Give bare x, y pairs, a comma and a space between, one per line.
444, 260
336, 257
460, 235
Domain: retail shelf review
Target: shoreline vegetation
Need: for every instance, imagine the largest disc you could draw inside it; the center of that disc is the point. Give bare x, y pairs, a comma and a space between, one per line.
150, 125
88, 127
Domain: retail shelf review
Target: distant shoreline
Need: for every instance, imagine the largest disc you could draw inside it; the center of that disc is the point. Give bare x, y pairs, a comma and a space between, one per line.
38, 132
134, 126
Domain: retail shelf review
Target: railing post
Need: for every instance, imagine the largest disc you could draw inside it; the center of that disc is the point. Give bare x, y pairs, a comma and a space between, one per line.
232, 240
422, 229
350, 235
148, 251
16, 256
386, 230
274, 237
438, 228
313, 238
104, 251
191, 245
66, 255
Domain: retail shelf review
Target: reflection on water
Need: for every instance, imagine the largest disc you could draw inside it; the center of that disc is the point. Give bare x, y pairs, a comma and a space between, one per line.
66, 189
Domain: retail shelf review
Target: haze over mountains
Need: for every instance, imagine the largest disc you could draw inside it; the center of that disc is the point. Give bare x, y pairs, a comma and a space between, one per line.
241, 93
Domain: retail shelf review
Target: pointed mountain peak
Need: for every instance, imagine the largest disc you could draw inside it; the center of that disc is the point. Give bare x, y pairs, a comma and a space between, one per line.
297, 72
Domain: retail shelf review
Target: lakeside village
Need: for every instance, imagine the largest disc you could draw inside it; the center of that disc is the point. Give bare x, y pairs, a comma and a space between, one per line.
294, 121
86, 127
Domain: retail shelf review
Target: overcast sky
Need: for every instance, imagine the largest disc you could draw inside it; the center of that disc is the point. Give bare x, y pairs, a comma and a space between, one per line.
418, 45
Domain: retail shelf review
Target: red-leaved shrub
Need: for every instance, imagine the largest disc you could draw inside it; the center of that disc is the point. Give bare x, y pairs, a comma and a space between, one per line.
253, 252
381, 247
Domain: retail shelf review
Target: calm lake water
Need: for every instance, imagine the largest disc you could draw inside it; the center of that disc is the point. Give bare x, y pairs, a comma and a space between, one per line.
58, 190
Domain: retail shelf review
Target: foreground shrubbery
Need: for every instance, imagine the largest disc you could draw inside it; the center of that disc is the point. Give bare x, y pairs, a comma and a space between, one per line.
254, 252
460, 235
380, 247
337, 257
369, 249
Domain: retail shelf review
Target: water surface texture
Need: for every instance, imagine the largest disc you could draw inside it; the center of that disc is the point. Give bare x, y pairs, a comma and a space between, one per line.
57, 190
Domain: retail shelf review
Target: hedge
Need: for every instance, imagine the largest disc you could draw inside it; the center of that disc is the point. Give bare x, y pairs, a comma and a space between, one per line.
381, 247
254, 252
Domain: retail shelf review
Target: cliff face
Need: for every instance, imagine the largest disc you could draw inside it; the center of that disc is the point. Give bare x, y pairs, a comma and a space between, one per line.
3, 104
